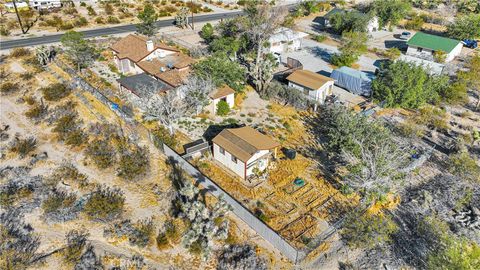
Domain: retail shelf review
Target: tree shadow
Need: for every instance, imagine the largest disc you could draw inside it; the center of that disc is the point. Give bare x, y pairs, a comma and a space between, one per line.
322, 53
400, 44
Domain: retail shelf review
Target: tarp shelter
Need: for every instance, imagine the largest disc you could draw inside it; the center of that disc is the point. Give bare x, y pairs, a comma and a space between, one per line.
357, 82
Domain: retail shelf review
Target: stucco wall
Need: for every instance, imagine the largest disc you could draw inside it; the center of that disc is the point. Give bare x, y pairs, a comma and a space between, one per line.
254, 158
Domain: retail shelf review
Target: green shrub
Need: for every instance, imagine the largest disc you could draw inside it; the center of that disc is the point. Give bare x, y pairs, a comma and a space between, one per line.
319, 38
223, 108
368, 231
58, 200
162, 241
4, 31
415, 23
37, 111
392, 53
440, 56
464, 165
101, 152
161, 134
105, 203
55, 92
113, 20
76, 242
343, 59
99, 20
80, 22
133, 162
76, 138
91, 11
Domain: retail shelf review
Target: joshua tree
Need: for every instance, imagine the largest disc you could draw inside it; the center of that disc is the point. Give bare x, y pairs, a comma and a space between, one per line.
181, 19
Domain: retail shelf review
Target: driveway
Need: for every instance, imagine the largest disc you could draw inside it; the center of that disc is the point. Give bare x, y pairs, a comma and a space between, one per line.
315, 56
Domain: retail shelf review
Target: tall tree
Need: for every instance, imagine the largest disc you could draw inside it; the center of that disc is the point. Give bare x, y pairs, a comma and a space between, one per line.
196, 91
80, 51
166, 109
262, 20
148, 17
390, 12
222, 71
465, 27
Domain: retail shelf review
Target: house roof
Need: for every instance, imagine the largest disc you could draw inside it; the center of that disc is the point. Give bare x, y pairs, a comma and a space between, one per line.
244, 142
309, 79
221, 92
134, 47
433, 42
284, 34
143, 85
171, 76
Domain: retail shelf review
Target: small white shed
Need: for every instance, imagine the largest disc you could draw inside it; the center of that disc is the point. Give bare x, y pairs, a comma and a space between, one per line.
224, 93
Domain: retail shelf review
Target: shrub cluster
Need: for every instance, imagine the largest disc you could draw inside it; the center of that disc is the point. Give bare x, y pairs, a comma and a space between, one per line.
139, 233
55, 92
105, 203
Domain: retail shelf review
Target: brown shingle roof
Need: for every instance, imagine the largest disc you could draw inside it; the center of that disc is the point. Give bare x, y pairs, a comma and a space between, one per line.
308, 79
244, 142
222, 92
134, 47
173, 77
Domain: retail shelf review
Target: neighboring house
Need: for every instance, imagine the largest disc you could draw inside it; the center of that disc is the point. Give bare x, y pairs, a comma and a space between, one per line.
224, 93
141, 86
45, 4
244, 151
134, 54
317, 87
372, 25
424, 46
355, 81
286, 40
429, 66
21, 6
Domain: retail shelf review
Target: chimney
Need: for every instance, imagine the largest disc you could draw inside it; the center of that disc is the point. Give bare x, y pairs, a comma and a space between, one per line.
149, 45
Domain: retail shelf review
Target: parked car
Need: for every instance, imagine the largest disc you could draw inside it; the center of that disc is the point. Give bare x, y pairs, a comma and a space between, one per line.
405, 35
470, 43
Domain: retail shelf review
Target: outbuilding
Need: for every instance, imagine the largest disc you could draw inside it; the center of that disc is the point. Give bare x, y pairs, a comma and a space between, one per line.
355, 81
224, 93
423, 45
244, 151
315, 86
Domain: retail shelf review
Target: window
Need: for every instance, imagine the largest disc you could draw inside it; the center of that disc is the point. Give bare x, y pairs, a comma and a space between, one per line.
419, 49
222, 151
234, 159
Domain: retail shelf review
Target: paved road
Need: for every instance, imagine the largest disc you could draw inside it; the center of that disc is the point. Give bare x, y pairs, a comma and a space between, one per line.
4, 45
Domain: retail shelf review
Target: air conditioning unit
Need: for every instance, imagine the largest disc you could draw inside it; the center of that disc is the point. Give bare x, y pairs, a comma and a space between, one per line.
162, 69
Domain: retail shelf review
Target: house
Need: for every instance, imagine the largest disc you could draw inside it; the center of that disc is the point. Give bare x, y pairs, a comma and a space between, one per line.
285, 40
430, 67
424, 46
372, 25
45, 4
354, 81
317, 87
224, 93
244, 151
135, 54
21, 6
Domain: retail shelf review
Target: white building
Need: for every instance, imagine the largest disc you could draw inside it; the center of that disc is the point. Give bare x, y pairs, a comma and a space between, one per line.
372, 25
315, 86
430, 67
224, 93
424, 46
45, 4
244, 151
285, 40
20, 6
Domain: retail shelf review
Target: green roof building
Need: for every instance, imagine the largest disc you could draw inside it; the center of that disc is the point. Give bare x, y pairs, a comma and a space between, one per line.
424, 46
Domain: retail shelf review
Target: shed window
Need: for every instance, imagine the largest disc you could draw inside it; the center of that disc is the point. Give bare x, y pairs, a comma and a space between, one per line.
234, 159
222, 151
419, 49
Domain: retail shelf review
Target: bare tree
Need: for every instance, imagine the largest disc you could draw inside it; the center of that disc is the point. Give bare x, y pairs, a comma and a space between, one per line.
165, 108
262, 21
196, 91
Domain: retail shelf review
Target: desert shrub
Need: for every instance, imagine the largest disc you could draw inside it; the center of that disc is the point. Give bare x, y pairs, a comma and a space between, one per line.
70, 11
440, 56
76, 243
4, 31
415, 23
162, 241
91, 11
58, 200
240, 257
89, 260
293, 97
101, 152
113, 20
26, 76
464, 165
133, 162
76, 138
20, 52
139, 233
12, 192
9, 87
105, 203
23, 146
67, 173
432, 117
162, 135
368, 231
171, 232
455, 93
66, 26
80, 22
68, 129
108, 9
32, 61
55, 92
319, 38
18, 242
99, 20
37, 111
223, 108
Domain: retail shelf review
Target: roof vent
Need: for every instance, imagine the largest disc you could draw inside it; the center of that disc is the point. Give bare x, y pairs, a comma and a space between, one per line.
170, 65
162, 69
161, 54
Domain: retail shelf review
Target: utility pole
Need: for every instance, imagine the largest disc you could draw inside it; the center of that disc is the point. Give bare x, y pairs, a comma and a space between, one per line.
193, 26
18, 16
